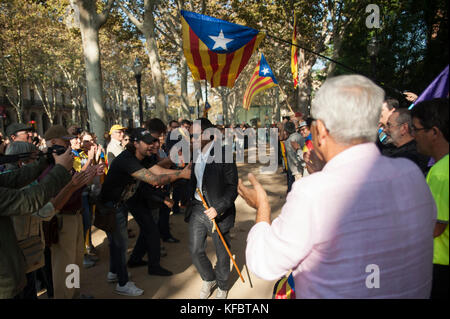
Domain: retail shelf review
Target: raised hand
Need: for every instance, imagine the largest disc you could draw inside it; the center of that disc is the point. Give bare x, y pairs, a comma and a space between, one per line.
186, 172
313, 162
256, 196
65, 159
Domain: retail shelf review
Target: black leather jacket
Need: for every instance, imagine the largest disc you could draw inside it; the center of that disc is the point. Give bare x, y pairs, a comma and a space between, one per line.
219, 187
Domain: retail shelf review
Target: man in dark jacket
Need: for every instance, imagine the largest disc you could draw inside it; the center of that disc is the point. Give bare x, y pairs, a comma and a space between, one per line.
14, 201
217, 182
398, 130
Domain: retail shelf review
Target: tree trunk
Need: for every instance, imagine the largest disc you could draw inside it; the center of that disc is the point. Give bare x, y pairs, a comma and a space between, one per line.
94, 80
90, 23
155, 65
184, 82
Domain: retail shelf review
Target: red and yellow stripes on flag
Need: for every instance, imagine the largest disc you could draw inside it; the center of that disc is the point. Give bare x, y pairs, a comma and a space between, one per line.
294, 55
256, 85
218, 69
283, 153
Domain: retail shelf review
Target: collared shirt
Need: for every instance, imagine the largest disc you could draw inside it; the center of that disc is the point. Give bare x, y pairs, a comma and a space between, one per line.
364, 220
115, 148
200, 168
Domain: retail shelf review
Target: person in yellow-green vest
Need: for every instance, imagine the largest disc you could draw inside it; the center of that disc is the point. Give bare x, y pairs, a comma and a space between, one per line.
430, 129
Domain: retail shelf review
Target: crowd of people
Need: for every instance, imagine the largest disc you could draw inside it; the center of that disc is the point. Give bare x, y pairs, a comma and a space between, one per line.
371, 179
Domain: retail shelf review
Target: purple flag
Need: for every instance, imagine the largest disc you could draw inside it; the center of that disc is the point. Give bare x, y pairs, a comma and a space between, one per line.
437, 89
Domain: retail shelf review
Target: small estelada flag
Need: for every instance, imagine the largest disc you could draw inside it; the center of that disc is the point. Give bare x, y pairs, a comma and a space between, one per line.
217, 50
294, 55
263, 78
206, 109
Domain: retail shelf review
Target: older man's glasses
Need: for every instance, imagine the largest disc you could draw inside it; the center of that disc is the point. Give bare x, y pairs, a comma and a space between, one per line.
389, 125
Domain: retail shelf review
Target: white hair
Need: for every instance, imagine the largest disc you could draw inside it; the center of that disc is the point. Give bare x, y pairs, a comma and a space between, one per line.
350, 107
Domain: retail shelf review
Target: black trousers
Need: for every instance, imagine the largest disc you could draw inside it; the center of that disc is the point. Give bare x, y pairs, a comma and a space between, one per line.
148, 241
180, 195
439, 288
200, 226
163, 223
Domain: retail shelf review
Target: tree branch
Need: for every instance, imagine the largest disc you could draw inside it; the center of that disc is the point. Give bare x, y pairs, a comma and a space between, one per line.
132, 18
102, 17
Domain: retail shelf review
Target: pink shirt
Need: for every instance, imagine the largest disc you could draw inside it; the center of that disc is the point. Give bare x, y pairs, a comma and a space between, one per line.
362, 209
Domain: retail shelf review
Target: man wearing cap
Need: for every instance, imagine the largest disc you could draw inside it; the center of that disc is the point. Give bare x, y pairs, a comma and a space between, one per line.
15, 201
70, 246
19, 132
114, 147
304, 130
295, 169
124, 176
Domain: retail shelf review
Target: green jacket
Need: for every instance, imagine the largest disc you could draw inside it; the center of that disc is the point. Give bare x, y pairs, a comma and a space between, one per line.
14, 201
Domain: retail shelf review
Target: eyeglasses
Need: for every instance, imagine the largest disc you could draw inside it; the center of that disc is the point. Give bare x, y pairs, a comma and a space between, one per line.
388, 125
415, 129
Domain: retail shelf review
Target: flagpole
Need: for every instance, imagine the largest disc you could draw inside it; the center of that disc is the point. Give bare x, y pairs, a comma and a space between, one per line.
215, 227
286, 99
334, 61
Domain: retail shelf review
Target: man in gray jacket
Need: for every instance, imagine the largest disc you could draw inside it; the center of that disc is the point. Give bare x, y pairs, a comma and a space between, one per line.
14, 201
295, 169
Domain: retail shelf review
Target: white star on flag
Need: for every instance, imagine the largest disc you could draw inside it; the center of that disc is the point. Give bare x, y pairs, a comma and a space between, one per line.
265, 71
220, 41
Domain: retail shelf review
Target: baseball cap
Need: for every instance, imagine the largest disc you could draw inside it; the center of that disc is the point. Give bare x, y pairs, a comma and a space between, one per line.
116, 127
142, 134
57, 131
302, 124
16, 127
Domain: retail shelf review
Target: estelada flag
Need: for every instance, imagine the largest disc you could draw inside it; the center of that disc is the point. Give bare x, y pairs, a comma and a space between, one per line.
294, 55
206, 109
263, 78
217, 50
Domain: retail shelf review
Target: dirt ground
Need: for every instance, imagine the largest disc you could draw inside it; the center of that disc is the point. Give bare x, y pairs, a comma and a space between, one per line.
185, 283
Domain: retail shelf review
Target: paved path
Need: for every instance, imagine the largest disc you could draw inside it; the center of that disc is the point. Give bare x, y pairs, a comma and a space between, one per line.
186, 282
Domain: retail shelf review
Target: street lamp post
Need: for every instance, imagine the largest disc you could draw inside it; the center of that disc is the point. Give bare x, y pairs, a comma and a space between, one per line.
198, 96
137, 69
372, 49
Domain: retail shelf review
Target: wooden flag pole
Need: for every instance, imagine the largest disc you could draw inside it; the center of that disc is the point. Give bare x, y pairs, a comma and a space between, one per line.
287, 102
220, 235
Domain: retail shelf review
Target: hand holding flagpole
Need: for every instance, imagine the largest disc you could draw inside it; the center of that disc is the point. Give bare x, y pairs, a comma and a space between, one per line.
220, 235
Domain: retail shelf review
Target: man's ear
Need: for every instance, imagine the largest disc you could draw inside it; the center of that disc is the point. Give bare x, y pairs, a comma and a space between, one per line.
321, 131
436, 132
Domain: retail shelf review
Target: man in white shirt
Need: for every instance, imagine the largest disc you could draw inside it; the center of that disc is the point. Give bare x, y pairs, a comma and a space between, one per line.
362, 227
115, 147
217, 182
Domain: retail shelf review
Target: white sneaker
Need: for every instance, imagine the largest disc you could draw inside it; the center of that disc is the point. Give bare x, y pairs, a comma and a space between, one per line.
207, 289
129, 289
112, 277
221, 294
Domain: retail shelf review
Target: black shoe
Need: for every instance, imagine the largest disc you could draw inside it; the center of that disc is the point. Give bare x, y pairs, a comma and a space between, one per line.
134, 264
171, 240
159, 271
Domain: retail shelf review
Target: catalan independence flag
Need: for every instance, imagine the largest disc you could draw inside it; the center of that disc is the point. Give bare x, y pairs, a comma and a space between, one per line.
217, 50
206, 109
263, 78
294, 55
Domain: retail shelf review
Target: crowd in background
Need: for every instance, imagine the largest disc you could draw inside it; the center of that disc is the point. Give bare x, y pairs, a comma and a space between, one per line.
59, 232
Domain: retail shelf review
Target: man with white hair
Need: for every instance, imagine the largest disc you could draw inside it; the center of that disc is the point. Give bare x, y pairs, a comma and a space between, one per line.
364, 228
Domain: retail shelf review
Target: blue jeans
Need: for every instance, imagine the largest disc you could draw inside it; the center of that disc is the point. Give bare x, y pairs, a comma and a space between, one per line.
118, 245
